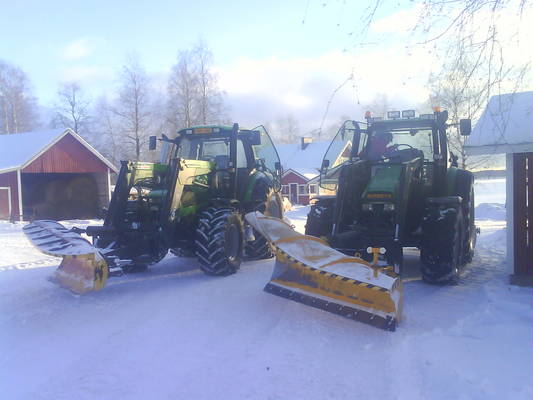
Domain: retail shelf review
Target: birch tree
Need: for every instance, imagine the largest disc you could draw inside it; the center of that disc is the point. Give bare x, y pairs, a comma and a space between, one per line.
18, 106
72, 108
107, 137
193, 93
210, 98
132, 107
182, 92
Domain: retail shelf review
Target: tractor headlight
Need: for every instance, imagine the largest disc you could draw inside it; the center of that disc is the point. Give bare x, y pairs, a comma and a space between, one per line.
367, 207
388, 207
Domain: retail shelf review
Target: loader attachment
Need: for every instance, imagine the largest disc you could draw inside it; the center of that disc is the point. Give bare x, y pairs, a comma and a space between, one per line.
82, 269
309, 271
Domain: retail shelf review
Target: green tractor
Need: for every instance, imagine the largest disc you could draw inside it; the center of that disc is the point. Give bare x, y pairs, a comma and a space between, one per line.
192, 203
395, 188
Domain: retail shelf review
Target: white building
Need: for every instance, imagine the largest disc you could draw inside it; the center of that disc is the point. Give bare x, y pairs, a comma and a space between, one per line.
506, 126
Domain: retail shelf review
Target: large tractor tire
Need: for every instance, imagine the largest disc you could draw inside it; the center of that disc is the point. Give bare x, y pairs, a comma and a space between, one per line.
441, 252
272, 206
219, 241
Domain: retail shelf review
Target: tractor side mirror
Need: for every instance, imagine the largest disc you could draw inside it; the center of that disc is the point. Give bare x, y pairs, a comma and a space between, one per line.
255, 138
465, 126
152, 142
325, 164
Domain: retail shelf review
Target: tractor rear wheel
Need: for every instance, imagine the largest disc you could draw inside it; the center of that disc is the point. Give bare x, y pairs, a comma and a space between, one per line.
465, 189
441, 253
272, 207
219, 241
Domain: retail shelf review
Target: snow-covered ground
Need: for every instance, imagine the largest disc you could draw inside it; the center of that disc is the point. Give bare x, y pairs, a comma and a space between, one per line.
174, 333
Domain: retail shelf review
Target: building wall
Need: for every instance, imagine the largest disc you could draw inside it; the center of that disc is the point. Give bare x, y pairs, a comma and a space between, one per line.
291, 177
9, 179
291, 182
520, 217
67, 155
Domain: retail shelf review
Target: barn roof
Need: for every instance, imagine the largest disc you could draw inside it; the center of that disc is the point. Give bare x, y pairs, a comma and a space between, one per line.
20, 149
506, 126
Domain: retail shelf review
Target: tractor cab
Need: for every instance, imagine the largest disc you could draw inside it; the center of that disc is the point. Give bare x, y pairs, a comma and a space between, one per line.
221, 148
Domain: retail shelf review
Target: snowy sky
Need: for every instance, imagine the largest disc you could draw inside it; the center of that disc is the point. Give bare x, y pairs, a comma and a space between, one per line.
272, 58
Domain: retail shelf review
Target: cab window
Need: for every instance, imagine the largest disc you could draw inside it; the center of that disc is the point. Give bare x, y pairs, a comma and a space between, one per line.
265, 152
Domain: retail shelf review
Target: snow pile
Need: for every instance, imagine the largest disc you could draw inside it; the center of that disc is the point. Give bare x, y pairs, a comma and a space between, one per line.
489, 191
492, 211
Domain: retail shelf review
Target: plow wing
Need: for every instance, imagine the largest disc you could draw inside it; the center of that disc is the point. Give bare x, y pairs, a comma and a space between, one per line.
82, 269
309, 271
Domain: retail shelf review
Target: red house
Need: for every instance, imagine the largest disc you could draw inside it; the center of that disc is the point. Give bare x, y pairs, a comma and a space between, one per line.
301, 169
299, 185
52, 174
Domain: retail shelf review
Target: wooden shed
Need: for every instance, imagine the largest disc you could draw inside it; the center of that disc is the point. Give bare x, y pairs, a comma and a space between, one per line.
506, 126
52, 174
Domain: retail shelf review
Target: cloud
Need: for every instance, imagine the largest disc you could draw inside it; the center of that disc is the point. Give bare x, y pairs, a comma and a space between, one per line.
78, 50
270, 88
400, 22
86, 73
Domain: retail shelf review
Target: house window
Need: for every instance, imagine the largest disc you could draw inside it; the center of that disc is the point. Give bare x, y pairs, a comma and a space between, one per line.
312, 189
302, 189
285, 189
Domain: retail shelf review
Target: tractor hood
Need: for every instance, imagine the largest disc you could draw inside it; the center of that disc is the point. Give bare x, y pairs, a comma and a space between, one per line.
384, 183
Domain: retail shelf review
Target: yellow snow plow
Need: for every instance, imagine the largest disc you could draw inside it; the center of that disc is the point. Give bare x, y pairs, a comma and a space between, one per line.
82, 269
309, 271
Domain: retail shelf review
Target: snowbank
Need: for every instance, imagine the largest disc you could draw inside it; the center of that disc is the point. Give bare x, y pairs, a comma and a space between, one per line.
492, 211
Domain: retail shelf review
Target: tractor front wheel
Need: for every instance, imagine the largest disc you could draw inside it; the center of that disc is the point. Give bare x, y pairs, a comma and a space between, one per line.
219, 241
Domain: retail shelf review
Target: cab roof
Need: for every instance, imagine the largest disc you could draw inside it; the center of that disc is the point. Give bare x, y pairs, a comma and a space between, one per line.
430, 121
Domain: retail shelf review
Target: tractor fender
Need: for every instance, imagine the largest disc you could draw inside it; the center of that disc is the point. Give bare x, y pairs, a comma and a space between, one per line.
459, 182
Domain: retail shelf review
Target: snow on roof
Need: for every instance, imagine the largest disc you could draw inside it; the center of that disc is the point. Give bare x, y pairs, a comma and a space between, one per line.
308, 173
18, 149
506, 126
292, 156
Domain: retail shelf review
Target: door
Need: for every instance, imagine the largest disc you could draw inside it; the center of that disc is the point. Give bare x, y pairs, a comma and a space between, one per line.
5, 203
294, 193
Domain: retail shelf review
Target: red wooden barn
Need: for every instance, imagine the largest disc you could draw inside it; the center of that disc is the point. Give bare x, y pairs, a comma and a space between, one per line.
52, 174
